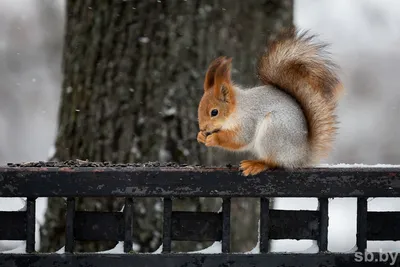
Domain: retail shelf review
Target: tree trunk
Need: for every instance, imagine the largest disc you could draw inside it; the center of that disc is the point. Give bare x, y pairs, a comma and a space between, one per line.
133, 74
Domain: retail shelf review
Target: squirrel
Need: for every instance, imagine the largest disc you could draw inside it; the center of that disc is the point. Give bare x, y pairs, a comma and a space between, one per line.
289, 121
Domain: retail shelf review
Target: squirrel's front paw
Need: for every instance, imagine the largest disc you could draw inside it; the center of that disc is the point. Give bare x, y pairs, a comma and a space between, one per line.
201, 137
212, 140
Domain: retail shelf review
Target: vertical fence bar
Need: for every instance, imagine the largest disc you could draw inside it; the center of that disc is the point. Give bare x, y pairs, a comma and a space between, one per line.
30, 224
69, 230
167, 225
323, 224
128, 219
264, 227
362, 212
226, 225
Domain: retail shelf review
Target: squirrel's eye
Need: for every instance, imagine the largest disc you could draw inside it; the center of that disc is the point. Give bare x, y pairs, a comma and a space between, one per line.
214, 112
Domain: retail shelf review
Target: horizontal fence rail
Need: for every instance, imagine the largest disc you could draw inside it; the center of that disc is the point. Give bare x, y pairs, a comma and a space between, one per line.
197, 182
169, 182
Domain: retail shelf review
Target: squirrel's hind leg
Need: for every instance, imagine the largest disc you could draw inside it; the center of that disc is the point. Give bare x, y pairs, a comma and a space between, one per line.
253, 167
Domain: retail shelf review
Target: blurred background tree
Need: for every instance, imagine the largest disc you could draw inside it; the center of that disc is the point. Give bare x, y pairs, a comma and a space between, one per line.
132, 79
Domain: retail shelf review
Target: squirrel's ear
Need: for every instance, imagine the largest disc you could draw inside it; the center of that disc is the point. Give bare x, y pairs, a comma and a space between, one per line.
223, 85
210, 75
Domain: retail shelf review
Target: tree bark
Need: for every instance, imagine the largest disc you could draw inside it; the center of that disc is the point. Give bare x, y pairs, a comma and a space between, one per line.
133, 74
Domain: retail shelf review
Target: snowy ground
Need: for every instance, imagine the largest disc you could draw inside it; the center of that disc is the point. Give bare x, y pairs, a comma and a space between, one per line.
365, 38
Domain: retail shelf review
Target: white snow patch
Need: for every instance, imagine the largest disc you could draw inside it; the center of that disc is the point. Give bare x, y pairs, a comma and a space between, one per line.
21, 249
288, 245
12, 203
356, 165
215, 248
159, 250
6, 245
255, 250
314, 248
118, 249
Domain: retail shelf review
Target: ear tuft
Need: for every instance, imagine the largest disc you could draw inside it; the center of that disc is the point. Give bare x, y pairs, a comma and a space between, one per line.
224, 95
223, 72
222, 80
209, 80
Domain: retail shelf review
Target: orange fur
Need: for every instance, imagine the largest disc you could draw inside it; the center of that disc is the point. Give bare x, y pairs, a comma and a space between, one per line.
253, 167
210, 75
201, 137
227, 139
296, 65
218, 94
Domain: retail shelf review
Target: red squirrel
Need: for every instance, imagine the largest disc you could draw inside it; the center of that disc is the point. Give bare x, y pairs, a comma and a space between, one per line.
288, 122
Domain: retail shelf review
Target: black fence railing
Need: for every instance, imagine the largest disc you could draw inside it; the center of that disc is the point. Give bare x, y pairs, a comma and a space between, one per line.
169, 182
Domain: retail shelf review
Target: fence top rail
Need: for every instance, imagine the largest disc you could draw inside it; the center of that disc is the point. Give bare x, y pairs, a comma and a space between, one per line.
157, 180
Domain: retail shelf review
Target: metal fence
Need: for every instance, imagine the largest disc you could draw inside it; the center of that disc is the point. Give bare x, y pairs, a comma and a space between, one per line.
169, 182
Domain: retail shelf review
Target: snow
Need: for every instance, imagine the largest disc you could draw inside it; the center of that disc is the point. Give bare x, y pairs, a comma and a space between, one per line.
301, 246
256, 249
159, 250
357, 165
215, 248
118, 249
19, 249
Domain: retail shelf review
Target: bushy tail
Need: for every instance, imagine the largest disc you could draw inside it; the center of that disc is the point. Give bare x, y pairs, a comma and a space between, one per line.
297, 65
